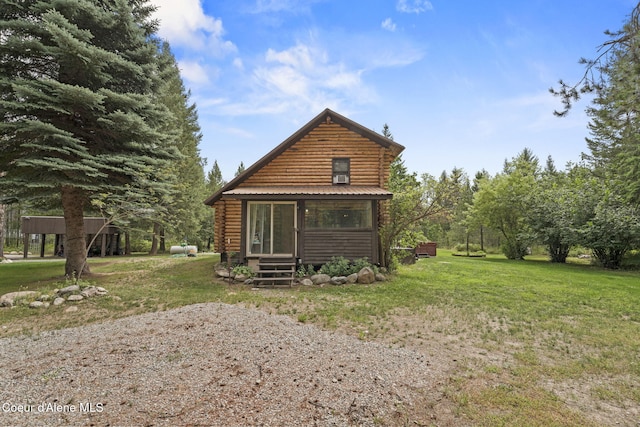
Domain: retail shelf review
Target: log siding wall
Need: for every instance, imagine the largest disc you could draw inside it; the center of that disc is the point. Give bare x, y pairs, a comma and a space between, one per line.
227, 228
309, 161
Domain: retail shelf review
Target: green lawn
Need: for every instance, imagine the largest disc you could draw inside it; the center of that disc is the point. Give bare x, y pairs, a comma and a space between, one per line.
535, 343
29, 276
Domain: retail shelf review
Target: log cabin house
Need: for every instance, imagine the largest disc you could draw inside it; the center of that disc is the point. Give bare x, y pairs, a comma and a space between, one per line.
318, 194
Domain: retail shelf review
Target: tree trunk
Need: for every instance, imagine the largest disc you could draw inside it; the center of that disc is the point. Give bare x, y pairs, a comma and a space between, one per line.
127, 243
76, 249
2, 211
163, 248
154, 239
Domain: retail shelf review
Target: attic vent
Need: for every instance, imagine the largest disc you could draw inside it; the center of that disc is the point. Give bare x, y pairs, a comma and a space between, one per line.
340, 179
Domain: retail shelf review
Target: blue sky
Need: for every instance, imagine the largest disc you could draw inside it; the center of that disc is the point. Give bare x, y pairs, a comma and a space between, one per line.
460, 83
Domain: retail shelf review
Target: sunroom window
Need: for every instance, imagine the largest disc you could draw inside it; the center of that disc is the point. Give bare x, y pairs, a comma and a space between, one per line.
271, 228
338, 214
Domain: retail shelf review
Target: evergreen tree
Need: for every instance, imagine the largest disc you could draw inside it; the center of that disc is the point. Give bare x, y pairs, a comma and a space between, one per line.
386, 132
240, 169
613, 76
78, 106
214, 183
214, 179
615, 126
184, 208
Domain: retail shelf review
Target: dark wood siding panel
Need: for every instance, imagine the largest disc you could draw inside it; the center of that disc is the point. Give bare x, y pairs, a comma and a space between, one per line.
309, 161
321, 245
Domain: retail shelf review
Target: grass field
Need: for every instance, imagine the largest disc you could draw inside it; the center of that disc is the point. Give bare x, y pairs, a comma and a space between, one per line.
519, 342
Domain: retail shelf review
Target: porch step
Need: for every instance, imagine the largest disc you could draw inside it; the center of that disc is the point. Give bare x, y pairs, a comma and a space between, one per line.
276, 271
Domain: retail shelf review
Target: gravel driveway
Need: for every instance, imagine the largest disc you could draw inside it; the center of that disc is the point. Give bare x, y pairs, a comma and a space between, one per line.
209, 364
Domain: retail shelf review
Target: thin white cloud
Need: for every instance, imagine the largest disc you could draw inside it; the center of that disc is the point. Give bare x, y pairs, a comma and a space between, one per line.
388, 25
184, 23
291, 6
238, 63
194, 73
414, 6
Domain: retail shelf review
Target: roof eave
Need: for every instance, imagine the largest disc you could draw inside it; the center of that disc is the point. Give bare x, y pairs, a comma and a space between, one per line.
309, 196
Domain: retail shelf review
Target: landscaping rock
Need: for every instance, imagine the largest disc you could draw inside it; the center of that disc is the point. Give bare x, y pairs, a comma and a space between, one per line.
366, 276
91, 291
43, 298
306, 282
223, 273
74, 298
338, 280
36, 304
58, 301
71, 309
319, 279
6, 261
380, 277
8, 300
352, 278
68, 290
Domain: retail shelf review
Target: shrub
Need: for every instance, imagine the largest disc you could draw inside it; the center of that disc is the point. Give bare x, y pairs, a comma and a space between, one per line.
361, 263
462, 247
340, 266
303, 271
243, 270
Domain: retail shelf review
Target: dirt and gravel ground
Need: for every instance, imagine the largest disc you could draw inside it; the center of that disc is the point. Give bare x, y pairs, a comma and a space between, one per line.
215, 365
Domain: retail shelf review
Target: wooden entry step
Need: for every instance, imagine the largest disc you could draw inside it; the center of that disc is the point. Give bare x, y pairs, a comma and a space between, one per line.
276, 271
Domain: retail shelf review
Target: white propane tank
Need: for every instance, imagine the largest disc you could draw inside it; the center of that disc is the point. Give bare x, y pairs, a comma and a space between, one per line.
189, 250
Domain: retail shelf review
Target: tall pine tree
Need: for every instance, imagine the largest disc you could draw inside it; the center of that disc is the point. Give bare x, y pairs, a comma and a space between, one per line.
185, 210
615, 126
614, 77
78, 106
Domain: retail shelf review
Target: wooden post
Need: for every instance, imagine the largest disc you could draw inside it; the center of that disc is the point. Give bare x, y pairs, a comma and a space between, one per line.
26, 244
103, 245
44, 238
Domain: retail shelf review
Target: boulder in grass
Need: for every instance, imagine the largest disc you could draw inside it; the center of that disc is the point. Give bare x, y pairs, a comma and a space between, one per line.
366, 276
8, 300
319, 279
68, 290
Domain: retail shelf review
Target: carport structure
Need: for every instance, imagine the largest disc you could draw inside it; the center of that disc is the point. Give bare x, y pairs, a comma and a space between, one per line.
108, 235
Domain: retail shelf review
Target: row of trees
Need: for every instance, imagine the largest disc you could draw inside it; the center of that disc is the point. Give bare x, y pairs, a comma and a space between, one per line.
524, 205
